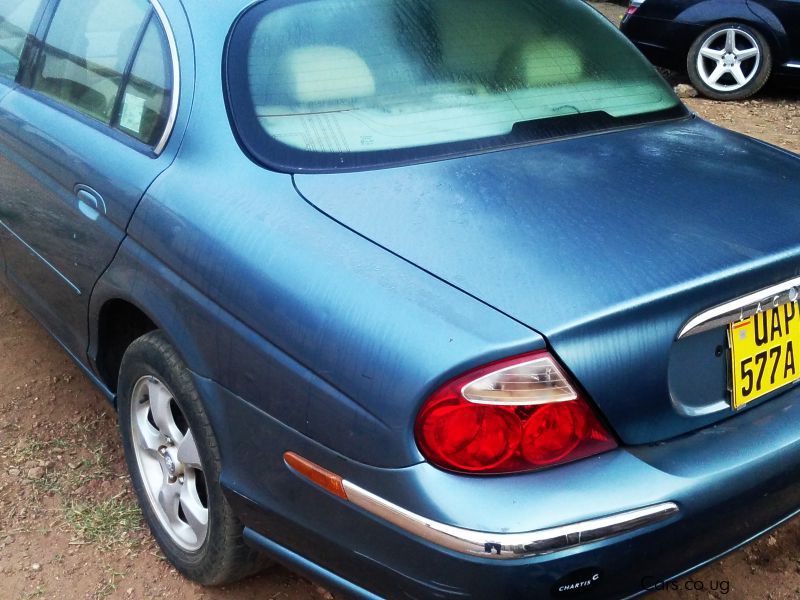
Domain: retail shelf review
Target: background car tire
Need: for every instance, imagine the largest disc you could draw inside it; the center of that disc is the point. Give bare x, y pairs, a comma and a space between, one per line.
729, 61
150, 368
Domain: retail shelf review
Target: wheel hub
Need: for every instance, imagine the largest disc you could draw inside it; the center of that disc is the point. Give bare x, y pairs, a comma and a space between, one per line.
729, 60
173, 466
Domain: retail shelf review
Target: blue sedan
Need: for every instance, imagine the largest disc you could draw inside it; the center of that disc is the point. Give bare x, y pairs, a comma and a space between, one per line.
426, 299
729, 48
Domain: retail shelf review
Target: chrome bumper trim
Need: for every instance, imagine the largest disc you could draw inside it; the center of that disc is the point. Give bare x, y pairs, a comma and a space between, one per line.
792, 65
505, 546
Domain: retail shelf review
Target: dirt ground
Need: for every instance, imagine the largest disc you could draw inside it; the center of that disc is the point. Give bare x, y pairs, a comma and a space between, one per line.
69, 525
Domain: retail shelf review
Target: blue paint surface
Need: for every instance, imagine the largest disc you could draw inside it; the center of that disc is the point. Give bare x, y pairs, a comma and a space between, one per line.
318, 312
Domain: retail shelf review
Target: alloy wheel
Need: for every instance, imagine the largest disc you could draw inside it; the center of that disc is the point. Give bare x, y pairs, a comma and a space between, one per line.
169, 463
728, 60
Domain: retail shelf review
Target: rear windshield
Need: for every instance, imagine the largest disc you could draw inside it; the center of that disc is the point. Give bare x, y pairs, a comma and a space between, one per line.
326, 84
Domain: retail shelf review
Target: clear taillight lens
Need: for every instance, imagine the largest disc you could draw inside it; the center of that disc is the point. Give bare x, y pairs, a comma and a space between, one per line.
536, 381
517, 415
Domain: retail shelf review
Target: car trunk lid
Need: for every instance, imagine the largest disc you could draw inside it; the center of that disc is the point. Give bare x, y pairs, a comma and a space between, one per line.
605, 244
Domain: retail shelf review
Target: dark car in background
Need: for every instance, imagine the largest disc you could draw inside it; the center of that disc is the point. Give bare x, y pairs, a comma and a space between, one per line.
729, 48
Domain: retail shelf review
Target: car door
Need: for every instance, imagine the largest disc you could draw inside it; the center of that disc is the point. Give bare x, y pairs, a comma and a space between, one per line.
81, 139
788, 12
18, 18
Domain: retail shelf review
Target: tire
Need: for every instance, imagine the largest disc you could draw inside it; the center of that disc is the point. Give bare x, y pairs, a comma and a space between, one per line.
175, 480
729, 61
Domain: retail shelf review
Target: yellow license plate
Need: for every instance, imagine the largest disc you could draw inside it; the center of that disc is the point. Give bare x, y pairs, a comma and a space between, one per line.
764, 353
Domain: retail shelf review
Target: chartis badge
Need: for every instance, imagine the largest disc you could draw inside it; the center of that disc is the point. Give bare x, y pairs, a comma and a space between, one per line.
578, 582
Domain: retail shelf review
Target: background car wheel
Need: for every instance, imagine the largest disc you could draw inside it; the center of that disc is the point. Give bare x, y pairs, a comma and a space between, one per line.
174, 463
730, 61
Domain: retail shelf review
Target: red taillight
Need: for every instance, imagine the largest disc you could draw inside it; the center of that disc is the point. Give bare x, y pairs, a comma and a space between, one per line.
517, 415
633, 7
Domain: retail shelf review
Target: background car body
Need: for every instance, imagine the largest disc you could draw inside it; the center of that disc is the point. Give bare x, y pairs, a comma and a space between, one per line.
315, 319
664, 30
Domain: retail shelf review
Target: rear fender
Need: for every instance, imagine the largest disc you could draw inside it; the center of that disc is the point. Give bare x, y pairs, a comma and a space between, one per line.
771, 26
715, 11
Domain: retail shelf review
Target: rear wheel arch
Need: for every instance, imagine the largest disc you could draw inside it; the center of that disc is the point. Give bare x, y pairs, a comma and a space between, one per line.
119, 324
136, 290
771, 28
746, 19
750, 14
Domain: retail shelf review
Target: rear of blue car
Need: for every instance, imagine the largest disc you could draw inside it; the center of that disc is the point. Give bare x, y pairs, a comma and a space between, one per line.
602, 458
463, 302
720, 491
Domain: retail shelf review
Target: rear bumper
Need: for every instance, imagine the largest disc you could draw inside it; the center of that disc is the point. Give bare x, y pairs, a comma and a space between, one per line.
509, 546
731, 483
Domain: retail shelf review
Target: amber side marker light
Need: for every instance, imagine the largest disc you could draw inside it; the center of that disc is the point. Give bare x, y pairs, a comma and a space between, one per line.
316, 474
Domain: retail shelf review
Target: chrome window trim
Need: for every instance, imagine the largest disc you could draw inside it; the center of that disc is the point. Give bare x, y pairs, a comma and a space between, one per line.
176, 78
742, 308
506, 546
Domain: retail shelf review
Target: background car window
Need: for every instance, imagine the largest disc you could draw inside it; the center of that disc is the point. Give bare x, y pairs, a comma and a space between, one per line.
16, 20
145, 103
86, 52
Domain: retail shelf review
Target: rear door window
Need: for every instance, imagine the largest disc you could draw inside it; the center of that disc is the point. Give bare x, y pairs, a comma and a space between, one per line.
145, 102
17, 18
109, 60
86, 51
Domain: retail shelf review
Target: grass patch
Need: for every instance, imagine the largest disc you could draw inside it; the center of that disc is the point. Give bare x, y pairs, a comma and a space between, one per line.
106, 524
65, 472
99, 464
36, 448
39, 592
49, 484
68, 464
63, 476
109, 586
